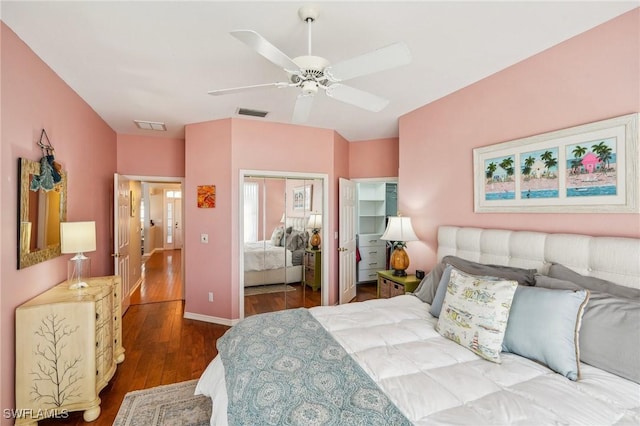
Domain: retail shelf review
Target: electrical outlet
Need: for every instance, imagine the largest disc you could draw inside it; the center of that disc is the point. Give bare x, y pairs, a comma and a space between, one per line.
210, 296
204, 238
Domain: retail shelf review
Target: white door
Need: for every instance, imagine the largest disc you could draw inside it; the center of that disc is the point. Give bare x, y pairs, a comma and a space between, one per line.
177, 223
347, 241
172, 219
121, 227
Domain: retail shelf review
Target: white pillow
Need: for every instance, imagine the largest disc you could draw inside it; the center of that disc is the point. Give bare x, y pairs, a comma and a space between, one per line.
475, 312
276, 236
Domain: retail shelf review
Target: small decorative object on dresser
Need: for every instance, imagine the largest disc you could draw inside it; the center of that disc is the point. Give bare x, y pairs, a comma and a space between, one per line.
312, 269
78, 237
390, 285
68, 343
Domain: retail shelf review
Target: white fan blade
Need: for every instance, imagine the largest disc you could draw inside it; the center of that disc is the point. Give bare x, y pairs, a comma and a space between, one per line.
266, 49
302, 108
382, 59
357, 97
244, 88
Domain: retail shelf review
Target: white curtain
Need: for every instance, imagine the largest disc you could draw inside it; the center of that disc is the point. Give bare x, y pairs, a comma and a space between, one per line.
250, 212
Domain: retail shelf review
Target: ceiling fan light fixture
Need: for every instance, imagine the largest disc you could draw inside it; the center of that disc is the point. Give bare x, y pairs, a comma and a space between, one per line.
309, 88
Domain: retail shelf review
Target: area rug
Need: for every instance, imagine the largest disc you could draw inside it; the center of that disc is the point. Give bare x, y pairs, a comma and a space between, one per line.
167, 405
265, 289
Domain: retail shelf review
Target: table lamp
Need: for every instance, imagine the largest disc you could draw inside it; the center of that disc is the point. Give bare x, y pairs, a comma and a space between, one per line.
399, 231
78, 238
315, 223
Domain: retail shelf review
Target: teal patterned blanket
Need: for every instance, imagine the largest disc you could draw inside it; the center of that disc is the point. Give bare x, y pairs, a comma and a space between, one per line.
284, 368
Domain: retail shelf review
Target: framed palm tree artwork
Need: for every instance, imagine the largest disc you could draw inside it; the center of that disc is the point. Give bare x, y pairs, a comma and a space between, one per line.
588, 168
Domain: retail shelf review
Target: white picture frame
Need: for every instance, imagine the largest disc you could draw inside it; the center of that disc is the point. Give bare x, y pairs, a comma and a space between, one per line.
591, 168
302, 198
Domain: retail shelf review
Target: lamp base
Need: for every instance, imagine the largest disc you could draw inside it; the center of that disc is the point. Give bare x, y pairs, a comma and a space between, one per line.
399, 262
78, 269
399, 273
315, 241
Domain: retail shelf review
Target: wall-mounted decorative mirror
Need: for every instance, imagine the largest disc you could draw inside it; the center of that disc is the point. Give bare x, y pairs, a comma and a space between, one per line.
39, 218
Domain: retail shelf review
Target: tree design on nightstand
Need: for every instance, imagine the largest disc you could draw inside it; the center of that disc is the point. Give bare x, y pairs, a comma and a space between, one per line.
57, 380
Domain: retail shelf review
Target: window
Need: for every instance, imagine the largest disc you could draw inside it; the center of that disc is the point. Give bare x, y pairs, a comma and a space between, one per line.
250, 212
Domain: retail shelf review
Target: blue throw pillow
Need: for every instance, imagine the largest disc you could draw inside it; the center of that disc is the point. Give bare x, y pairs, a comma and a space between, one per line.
543, 326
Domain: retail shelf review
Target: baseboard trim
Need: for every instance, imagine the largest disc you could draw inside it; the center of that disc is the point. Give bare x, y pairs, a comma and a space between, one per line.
137, 284
208, 318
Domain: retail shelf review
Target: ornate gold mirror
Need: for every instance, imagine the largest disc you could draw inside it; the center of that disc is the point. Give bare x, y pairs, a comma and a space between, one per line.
39, 218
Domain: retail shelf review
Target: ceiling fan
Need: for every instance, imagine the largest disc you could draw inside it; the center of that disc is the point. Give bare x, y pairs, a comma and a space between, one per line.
311, 73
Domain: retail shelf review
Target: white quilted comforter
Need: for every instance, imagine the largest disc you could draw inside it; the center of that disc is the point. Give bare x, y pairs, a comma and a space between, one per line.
433, 380
263, 256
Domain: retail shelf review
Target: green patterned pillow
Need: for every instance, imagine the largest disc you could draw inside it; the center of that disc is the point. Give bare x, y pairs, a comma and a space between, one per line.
475, 313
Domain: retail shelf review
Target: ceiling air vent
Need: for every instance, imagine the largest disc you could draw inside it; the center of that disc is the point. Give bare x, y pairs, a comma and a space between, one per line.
150, 125
252, 112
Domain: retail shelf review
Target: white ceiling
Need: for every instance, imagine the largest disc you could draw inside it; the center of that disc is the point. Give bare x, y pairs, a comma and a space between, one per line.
152, 60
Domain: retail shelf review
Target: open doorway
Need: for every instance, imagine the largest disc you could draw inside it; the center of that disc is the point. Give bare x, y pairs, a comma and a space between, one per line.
161, 229
148, 245
365, 205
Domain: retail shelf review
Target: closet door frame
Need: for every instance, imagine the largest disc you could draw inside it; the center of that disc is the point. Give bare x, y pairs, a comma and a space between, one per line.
326, 242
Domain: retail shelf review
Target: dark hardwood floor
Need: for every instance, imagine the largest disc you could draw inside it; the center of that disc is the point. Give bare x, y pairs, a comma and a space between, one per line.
261, 303
162, 278
161, 346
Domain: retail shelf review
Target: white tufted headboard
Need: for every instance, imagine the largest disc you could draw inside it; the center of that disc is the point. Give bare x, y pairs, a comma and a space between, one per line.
614, 259
298, 223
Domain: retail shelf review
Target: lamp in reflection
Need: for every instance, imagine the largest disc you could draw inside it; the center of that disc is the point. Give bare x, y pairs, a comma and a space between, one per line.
398, 232
315, 223
78, 238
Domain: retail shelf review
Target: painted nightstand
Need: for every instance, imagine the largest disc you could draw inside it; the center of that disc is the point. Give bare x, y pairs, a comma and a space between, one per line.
390, 285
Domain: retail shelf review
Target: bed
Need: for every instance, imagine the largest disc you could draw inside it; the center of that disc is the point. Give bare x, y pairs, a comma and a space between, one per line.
279, 259
417, 375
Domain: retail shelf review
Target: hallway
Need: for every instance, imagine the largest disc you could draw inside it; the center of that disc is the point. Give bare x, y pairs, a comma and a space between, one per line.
161, 278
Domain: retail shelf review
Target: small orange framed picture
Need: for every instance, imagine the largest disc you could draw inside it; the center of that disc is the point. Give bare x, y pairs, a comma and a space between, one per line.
206, 196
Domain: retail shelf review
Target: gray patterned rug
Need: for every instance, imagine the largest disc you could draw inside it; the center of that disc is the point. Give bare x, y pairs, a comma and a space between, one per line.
166, 405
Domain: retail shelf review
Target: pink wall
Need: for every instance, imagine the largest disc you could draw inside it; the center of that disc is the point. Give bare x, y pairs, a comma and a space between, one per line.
150, 156
207, 162
588, 78
274, 205
373, 158
215, 153
33, 98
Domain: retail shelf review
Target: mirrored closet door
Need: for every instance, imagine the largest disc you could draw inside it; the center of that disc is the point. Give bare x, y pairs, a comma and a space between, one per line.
281, 267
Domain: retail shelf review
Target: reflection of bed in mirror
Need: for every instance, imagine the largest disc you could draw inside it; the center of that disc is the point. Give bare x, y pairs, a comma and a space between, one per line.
264, 261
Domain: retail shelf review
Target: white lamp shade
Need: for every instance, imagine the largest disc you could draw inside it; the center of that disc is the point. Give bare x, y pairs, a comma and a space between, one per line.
399, 229
77, 237
315, 221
